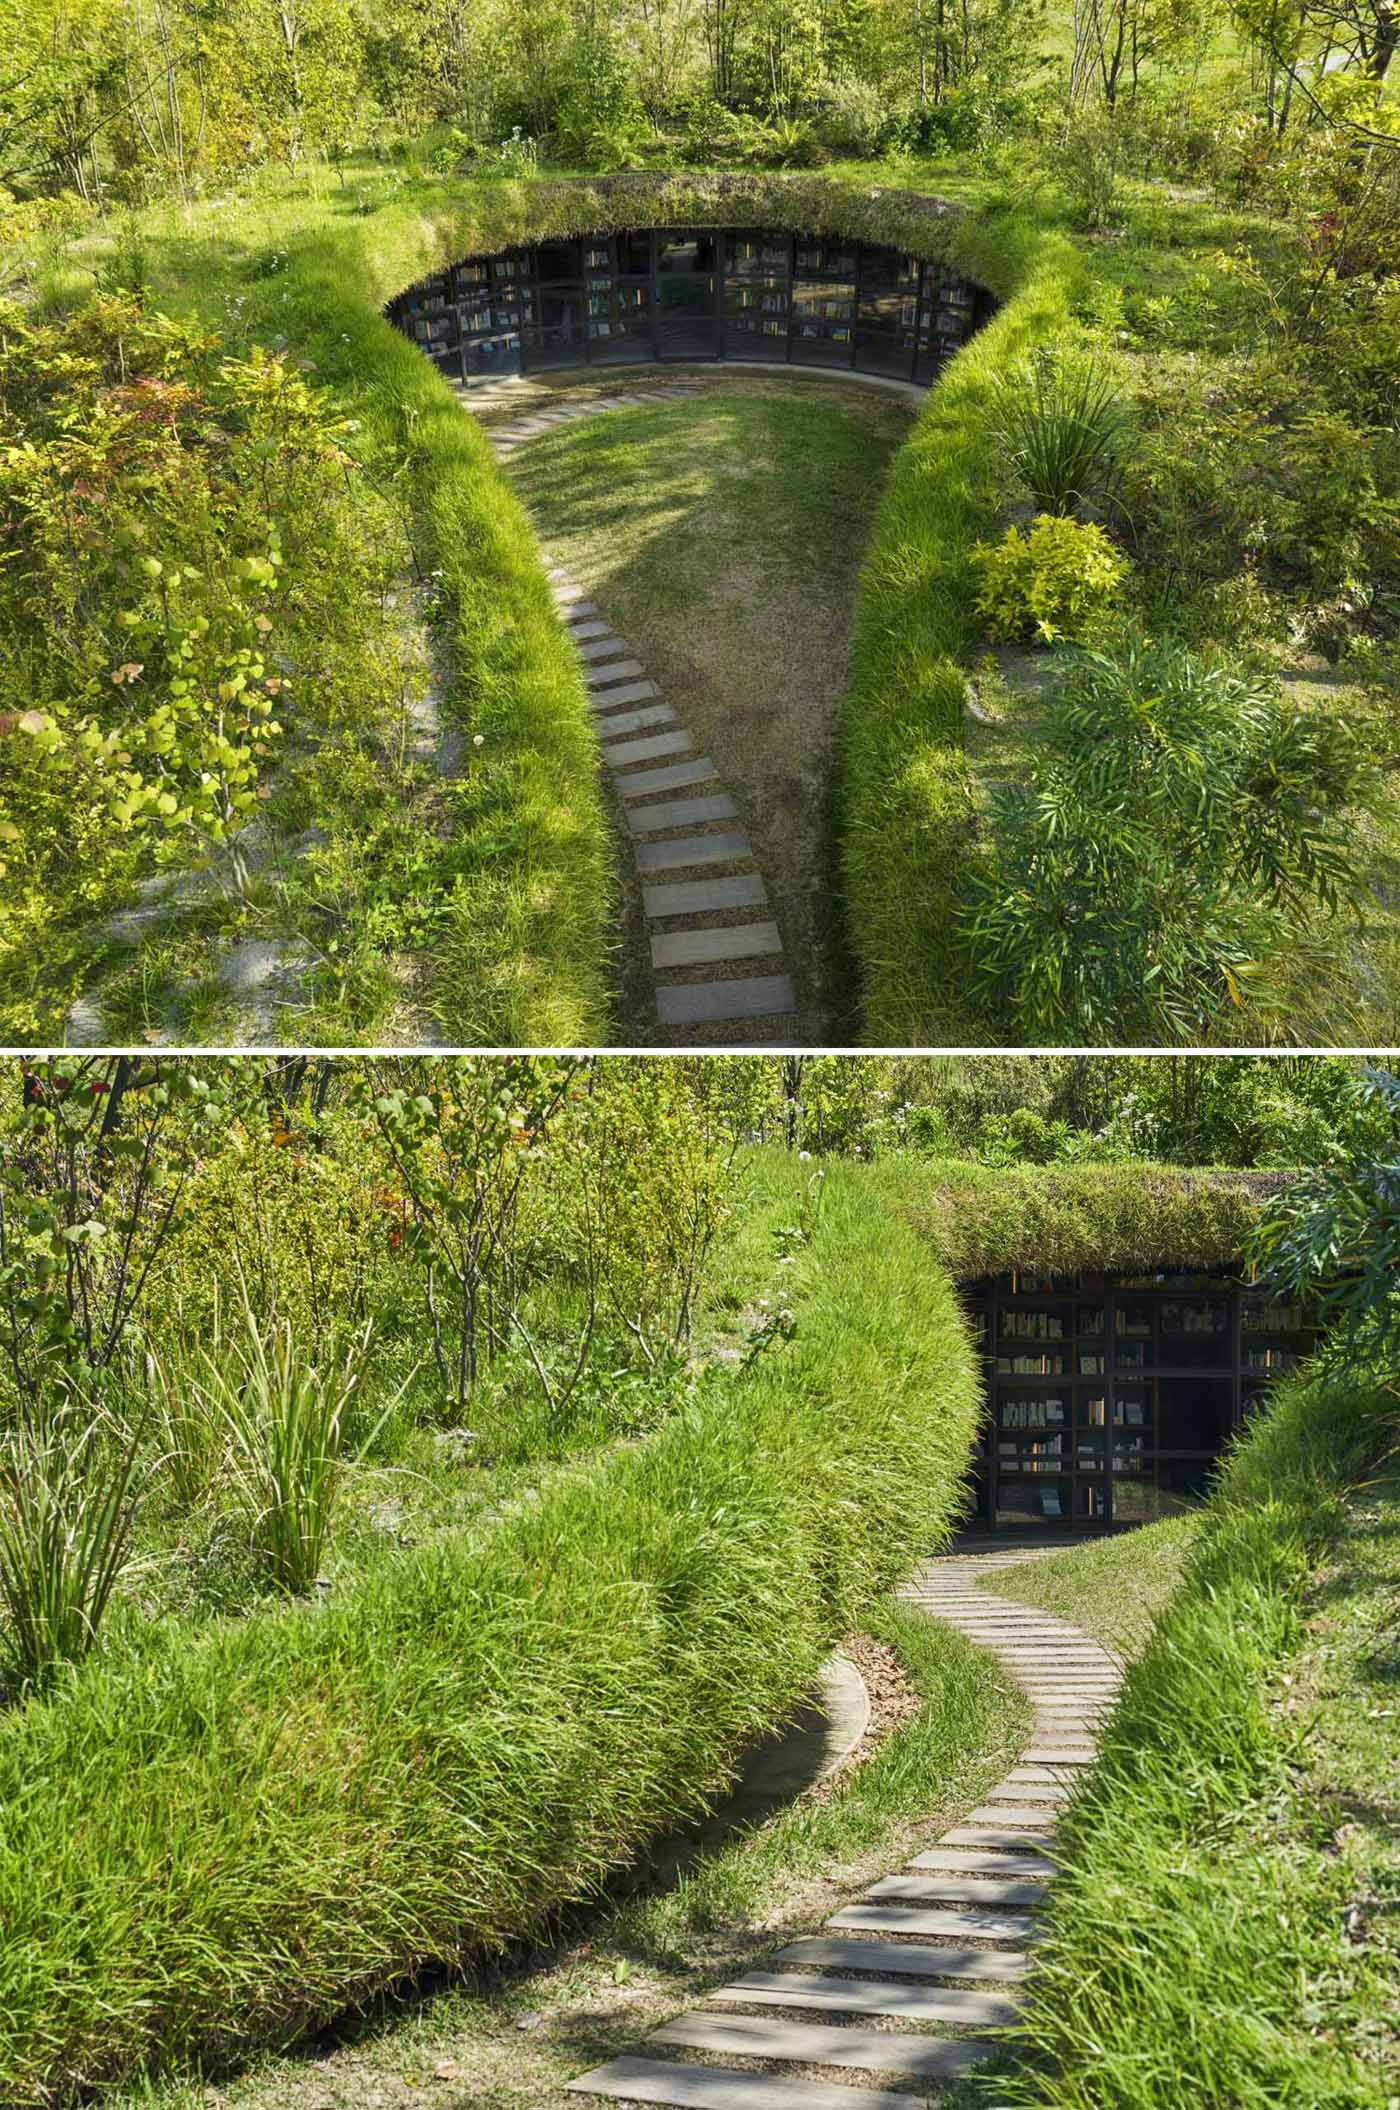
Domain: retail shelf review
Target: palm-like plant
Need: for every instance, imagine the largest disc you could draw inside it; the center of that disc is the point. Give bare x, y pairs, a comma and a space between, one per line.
68, 1500
1063, 429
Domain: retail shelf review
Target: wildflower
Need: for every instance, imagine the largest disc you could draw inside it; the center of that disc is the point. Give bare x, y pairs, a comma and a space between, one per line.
478, 739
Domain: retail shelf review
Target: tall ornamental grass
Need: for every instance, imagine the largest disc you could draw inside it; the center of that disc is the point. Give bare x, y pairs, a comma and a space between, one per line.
270, 1821
1196, 1928
68, 1498
1063, 428
282, 1420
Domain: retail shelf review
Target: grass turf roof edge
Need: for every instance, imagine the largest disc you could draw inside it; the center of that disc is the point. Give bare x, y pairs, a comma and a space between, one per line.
1058, 1219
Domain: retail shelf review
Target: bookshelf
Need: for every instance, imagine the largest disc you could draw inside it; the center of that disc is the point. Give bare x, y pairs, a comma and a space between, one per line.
692, 293
1111, 1396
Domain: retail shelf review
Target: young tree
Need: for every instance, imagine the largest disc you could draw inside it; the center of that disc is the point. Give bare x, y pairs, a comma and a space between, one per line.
1333, 1235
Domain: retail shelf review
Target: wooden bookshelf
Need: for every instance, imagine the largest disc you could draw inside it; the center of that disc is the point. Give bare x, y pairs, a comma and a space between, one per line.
1110, 1397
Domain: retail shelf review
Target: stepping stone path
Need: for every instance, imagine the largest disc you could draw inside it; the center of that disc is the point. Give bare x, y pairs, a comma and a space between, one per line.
716, 952
937, 1953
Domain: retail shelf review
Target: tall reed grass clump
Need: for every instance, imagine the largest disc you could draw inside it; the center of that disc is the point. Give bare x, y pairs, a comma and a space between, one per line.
1200, 1918
1063, 428
282, 1420
271, 1820
69, 1489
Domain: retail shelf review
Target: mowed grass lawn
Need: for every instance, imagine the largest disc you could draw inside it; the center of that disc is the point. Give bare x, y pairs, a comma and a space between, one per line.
722, 536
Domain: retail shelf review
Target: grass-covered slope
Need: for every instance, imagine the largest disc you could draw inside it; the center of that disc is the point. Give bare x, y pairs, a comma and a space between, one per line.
1223, 1930
261, 1824
908, 815
526, 960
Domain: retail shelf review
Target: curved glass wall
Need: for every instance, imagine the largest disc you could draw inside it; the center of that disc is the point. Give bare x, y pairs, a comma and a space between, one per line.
692, 293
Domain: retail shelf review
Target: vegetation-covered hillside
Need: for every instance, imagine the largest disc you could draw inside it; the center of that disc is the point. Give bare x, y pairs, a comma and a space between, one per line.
1152, 509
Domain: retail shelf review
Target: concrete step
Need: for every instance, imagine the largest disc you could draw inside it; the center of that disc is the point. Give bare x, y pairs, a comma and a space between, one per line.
975, 1861
686, 850
996, 1837
703, 948
609, 671
645, 783
625, 722
908, 2000
681, 813
914, 2058
617, 699
1009, 1816
650, 748
935, 1889
710, 1003
698, 897
596, 648
1010, 1927
896, 1959
714, 2088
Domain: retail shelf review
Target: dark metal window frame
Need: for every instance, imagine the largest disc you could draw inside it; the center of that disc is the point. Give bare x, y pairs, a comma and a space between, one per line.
989, 1299
945, 310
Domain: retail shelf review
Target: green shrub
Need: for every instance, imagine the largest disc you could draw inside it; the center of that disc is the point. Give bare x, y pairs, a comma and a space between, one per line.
281, 1421
264, 1822
909, 837
1050, 584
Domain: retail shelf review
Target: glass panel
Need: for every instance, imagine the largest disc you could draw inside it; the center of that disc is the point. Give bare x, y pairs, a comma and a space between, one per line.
685, 255
558, 260
598, 258
828, 260
759, 254
485, 356
885, 352
1033, 1500
681, 339
634, 254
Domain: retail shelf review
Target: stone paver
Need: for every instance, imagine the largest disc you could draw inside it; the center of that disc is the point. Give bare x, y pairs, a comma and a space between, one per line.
706, 1003
608, 672
701, 897
701, 948
689, 850
942, 1945
645, 783
681, 813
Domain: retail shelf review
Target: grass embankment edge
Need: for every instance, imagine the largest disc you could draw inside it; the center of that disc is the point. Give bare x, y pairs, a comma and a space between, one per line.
260, 1827
909, 836
1197, 1944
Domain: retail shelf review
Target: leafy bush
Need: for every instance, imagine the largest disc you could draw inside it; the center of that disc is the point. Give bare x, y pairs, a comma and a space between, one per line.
857, 118
189, 587
295, 1809
1063, 429
1049, 585
1179, 826
909, 839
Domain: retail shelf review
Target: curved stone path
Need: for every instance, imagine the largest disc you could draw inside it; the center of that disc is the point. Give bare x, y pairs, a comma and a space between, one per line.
902, 1984
716, 952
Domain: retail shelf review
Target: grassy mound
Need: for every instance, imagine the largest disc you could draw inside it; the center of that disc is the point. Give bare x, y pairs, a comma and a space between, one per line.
909, 838
1205, 1943
257, 1826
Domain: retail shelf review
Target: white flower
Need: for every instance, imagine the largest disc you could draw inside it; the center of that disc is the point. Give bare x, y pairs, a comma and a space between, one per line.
478, 739
804, 1157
